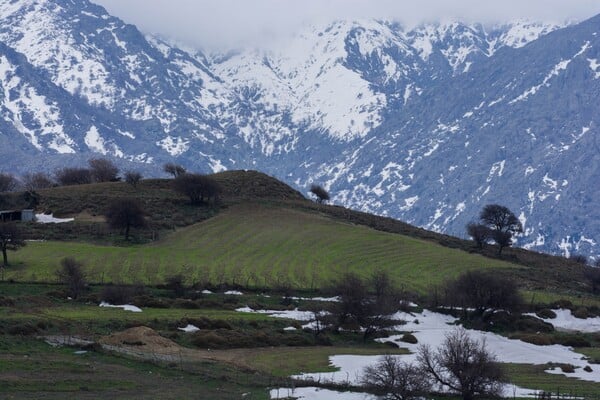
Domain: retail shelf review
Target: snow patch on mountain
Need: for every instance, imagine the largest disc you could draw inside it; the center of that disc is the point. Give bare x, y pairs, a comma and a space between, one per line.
174, 145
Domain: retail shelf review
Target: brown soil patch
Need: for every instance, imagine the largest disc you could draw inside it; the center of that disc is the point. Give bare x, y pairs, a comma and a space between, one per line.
86, 216
143, 338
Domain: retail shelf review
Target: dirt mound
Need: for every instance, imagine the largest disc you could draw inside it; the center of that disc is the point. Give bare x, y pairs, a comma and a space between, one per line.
142, 337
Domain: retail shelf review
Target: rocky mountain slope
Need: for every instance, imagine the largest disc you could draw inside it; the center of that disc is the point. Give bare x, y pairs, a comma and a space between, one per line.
425, 124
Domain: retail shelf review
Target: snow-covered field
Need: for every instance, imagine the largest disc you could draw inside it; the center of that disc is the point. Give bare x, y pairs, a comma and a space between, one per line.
431, 328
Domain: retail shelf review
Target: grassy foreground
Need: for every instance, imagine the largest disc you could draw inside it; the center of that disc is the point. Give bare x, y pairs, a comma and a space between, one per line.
257, 245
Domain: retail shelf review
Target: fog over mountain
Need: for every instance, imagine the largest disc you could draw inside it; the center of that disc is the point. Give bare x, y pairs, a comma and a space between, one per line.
205, 23
426, 123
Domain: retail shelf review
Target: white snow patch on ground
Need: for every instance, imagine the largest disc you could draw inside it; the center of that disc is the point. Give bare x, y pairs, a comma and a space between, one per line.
334, 299
431, 328
234, 293
189, 328
205, 291
565, 320
314, 393
291, 314
50, 219
126, 307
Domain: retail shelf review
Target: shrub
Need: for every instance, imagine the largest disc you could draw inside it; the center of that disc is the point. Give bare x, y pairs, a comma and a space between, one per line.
175, 284
581, 312
117, 294
197, 188
186, 304
6, 301
133, 178
573, 341
546, 313
481, 290
538, 340
151, 302
409, 338
567, 368
24, 329
103, 170
36, 181
73, 176
71, 274
173, 169
563, 304
526, 323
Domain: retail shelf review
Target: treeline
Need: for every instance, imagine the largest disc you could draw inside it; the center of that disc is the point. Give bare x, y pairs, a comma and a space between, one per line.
122, 214
98, 170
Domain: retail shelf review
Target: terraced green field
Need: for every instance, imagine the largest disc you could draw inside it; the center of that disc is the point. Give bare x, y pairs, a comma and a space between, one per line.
257, 246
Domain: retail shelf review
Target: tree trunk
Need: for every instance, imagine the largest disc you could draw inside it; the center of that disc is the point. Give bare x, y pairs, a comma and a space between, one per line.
4, 255
127, 232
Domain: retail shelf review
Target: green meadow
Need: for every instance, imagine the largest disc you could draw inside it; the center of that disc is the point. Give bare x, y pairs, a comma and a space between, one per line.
260, 246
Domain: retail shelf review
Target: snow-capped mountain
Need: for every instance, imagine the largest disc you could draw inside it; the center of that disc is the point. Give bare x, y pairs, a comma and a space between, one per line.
426, 124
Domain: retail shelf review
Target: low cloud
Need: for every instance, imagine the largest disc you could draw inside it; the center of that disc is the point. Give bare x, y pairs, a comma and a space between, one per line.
208, 22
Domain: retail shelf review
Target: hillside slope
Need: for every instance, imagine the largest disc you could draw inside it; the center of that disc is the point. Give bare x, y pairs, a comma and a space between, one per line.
261, 233
258, 245
426, 124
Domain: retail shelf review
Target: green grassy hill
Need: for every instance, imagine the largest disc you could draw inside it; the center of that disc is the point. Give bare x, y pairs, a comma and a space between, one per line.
261, 234
261, 246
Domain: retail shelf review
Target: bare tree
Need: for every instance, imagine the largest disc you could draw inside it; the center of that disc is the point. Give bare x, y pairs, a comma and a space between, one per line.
174, 169
322, 194
464, 365
125, 214
197, 187
71, 274
73, 176
103, 170
36, 181
502, 222
11, 238
8, 182
395, 380
133, 178
358, 307
480, 233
